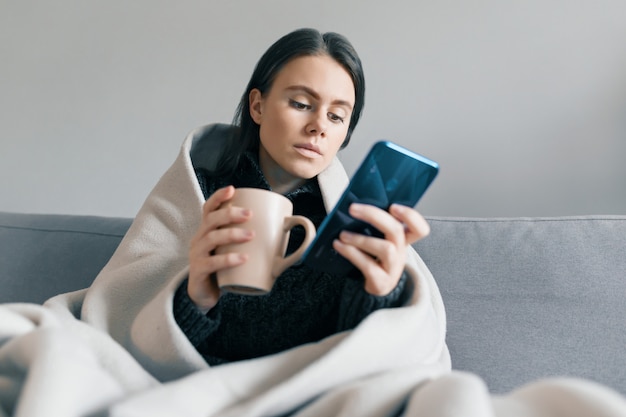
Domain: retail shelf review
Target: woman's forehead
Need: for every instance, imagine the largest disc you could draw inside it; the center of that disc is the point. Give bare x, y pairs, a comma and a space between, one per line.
317, 74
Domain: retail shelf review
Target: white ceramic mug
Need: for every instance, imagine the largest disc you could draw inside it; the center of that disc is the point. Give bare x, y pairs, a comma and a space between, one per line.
272, 220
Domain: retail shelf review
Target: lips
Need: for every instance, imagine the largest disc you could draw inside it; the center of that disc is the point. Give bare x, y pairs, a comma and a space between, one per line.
309, 150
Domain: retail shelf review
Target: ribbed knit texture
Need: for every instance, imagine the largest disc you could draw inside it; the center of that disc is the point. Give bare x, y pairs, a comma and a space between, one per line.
304, 305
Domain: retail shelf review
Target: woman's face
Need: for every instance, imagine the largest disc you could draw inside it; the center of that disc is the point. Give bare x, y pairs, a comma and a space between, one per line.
303, 118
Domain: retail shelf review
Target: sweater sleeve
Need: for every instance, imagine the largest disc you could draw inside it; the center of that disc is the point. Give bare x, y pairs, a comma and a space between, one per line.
356, 303
196, 325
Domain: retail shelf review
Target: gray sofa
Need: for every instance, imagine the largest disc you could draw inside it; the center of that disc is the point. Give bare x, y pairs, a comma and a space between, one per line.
526, 298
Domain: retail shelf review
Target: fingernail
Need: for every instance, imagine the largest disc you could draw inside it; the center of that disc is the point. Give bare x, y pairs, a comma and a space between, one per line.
356, 207
398, 208
346, 236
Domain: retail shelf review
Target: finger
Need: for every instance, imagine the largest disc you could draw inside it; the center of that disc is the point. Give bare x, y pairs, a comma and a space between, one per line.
222, 216
377, 281
389, 226
415, 225
211, 205
205, 245
384, 253
226, 217
380, 250
217, 199
201, 287
363, 261
211, 264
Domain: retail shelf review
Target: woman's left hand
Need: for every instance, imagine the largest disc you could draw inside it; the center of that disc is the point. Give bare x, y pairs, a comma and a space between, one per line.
382, 260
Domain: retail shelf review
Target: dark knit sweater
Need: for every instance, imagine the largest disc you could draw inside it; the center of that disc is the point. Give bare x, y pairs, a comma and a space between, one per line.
304, 305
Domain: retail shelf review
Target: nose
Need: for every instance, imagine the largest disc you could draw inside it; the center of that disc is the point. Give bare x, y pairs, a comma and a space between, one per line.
317, 125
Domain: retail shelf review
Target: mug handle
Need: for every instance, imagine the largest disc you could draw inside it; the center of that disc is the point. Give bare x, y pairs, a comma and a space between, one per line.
290, 222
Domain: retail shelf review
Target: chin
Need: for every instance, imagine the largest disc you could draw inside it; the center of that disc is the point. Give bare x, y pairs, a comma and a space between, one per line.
308, 172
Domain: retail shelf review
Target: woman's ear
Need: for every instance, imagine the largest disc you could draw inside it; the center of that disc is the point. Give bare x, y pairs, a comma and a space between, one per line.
256, 105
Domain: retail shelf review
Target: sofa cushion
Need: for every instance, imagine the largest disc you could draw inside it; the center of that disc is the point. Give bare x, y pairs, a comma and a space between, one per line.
43, 255
532, 298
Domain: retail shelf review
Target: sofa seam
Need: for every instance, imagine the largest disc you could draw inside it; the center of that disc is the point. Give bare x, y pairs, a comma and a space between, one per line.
35, 229
599, 218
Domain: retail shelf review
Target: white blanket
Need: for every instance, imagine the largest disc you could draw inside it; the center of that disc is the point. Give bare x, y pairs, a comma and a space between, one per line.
115, 349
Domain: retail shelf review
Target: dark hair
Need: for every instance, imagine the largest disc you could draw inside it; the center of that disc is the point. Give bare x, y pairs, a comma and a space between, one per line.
301, 42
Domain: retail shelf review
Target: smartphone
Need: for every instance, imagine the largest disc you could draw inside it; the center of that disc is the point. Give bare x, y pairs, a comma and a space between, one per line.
388, 174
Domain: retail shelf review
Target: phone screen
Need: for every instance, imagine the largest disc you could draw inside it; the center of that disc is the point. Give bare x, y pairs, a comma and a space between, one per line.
388, 174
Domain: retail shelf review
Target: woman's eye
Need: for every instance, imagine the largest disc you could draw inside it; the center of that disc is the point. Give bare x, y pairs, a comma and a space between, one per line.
335, 118
297, 105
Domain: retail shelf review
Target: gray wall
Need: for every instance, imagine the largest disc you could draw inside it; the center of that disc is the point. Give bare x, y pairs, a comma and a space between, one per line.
523, 103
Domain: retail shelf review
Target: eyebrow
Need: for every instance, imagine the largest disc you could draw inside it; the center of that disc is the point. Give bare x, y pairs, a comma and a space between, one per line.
316, 96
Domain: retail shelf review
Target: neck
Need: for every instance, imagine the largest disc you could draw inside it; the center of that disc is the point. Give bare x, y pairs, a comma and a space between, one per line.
285, 187
279, 180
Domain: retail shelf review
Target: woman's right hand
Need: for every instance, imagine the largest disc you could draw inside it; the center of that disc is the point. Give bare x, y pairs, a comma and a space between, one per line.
203, 262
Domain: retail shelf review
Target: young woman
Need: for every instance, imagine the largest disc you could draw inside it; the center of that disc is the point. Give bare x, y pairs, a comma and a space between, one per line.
154, 314
300, 108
